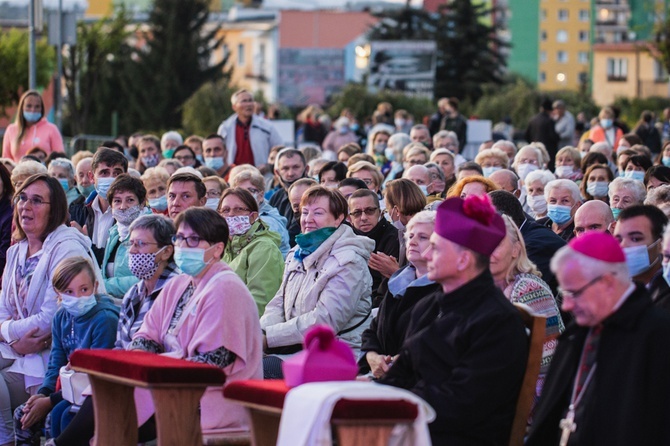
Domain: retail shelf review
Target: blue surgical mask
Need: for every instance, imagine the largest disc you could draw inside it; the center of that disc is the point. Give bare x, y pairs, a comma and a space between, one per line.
32, 116
489, 170
634, 175
65, 183
424, 189
103, 186
606, 123
666, 273
616, 212
597, 188
666, 161
159, 204
200, 158
214, 162
389, 153
380, 147
558, 213
86, 191
78, 306
190, 260
637, 258
212, 203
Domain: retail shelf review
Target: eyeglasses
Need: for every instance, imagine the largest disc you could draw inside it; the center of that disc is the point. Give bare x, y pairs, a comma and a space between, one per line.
137, 244
367, 181
368, 211
184, 158
34, 201
192, 241
213, 193
233, 211
576, 293
253, 191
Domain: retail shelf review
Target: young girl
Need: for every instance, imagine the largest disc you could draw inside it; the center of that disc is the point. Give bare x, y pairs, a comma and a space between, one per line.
84, 320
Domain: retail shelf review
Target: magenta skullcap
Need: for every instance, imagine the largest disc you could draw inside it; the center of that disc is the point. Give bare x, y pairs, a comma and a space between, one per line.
599, 246
472, 223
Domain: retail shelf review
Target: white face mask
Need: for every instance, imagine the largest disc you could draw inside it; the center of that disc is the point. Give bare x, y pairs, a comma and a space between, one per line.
538, 204
524, 169
212, 203
564, 171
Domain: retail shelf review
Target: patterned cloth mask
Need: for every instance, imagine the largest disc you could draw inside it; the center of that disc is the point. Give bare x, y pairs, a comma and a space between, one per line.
143, 265
126, 216
238, 225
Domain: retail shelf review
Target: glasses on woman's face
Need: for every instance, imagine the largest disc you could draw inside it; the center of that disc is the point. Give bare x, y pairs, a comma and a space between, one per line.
192, 241
34, 201
184, 159
231, 212
139, 244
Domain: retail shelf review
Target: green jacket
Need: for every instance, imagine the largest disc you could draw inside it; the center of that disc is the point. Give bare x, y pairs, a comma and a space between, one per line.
123, 279
256, 258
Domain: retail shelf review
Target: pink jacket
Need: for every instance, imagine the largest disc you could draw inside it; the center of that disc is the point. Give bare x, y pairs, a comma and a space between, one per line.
43, 134
225, 316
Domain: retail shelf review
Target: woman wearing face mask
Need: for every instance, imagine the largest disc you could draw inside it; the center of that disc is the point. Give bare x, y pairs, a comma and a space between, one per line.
150, 253
30, 129
605, 130
155, 182
204, 315
377, 148
339, 136
185, 155
492, 160
596, 183
568, 162
86, 319
535, 184
636, 167
563, 200
331, 174
127, 197
253, 250
27, 298
528, 159
326, 281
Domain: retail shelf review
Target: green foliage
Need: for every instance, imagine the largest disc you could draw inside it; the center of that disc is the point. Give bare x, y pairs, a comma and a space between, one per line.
663, 42
173, 66
521, 101
14, 63
207, 108
467, 55
631, 109
93, 69
361, 102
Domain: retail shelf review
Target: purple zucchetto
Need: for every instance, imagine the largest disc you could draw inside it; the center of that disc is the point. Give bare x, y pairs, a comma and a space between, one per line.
472, 223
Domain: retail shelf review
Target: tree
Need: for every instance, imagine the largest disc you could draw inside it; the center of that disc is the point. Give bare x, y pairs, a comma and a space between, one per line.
204, 111
468, 55
172, 66
663, 42
93, 70
14, 63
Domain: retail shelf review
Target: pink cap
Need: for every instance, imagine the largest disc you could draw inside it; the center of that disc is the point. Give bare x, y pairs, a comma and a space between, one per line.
472, 223
599, 246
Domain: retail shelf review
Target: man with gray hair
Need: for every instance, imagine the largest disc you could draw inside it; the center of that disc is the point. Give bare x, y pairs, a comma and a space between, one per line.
565, 124
594, 215
420, 133
249, 137
609, 381
506, 146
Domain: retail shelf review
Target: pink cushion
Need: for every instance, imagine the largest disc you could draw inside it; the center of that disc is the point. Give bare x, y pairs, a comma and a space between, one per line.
147, 367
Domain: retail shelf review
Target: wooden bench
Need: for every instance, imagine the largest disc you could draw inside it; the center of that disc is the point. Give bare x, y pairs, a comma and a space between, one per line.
176, 387
354, 422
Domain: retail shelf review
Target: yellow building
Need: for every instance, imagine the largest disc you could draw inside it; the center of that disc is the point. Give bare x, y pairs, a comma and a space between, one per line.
564, 44
627, 69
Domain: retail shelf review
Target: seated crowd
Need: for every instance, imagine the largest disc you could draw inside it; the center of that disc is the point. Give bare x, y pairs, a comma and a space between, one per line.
226, 250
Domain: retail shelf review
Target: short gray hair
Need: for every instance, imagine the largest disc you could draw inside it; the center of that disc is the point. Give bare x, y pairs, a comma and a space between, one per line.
543, 175
173, 136
563, 184
160, 226
538, 153
427, 217
505, 143
445, 134
629, 184
63, 163
658, 196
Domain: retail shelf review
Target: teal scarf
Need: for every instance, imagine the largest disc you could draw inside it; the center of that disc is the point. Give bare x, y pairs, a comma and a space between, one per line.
310, 242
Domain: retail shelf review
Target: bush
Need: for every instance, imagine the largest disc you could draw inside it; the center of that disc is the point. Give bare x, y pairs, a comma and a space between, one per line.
631, 109
207, 108
363, 103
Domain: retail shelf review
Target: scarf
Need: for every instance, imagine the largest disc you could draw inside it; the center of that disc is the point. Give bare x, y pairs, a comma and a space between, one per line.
310, 242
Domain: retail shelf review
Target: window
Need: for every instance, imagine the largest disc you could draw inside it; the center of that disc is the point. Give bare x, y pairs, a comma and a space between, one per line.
583, 36
562, 56
583, 15
543, 15
617, 69
543, 35
659, 72
561, 36
543, 77
563, 15
583, 57
543, 56
240, 55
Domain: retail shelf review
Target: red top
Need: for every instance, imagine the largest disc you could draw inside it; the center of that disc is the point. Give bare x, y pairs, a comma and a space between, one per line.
244, 155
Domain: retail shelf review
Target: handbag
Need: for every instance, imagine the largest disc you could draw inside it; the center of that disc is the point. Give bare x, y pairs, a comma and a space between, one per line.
73, 385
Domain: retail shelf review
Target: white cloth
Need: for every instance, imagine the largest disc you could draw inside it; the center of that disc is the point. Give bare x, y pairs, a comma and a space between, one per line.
103, 223
307, 410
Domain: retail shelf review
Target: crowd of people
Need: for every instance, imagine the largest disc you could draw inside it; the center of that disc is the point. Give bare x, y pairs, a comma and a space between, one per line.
226, 249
